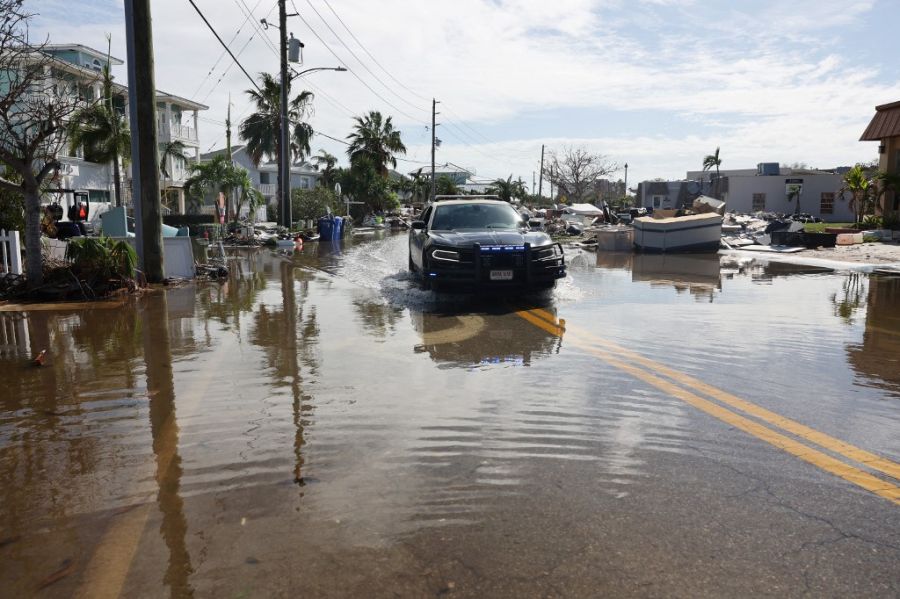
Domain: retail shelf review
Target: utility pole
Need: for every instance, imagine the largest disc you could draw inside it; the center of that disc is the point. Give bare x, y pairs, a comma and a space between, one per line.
434, 104
228, 129
541, 180
533, 182
284, 146
551, 183
626, 180
145, 161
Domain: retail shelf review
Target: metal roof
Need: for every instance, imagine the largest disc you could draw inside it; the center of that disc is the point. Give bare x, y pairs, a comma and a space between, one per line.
885, 123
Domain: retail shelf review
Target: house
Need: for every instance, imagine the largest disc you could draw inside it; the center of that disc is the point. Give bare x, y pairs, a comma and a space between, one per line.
176, 120
265, 176
768, 188
885, 129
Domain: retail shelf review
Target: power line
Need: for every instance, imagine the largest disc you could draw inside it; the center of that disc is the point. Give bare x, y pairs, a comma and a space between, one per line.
222, 55
224, 45
397, 81
352, 72
362, 64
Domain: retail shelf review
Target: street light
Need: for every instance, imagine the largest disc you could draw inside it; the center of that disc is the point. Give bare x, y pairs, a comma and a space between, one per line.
284, 158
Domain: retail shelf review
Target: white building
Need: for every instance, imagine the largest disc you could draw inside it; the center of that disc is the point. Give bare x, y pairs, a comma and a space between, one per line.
176, 120
768, 188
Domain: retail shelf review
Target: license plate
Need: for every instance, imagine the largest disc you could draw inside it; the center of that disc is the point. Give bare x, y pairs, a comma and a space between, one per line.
501, 275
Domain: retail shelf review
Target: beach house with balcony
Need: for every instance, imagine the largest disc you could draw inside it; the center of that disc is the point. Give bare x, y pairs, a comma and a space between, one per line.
176, 120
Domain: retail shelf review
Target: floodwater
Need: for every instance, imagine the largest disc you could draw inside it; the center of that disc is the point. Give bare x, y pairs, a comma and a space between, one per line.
319, 426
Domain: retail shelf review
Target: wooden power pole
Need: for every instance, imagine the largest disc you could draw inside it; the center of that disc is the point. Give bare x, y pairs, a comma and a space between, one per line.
433, 139
284, 146
541, 173
144, 156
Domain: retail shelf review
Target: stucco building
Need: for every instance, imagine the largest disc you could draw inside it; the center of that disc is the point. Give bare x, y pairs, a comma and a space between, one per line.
885, 129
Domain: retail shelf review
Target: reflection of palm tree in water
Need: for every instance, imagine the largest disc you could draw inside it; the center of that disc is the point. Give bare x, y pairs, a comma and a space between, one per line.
851, 298
164, 429
288, 338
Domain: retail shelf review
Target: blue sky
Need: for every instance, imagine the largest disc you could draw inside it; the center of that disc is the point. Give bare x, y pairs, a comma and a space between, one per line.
654, 83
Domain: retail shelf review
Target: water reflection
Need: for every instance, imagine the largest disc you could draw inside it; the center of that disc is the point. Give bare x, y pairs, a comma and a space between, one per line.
696, 274
877, 358
165, 431
471, 338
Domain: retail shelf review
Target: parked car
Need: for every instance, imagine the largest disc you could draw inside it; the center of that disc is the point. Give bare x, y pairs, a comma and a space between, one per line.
481, 243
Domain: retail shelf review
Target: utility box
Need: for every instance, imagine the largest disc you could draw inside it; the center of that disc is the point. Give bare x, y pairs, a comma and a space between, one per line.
768, 169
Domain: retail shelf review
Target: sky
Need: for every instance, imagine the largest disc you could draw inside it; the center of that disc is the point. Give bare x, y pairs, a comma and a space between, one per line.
656, 84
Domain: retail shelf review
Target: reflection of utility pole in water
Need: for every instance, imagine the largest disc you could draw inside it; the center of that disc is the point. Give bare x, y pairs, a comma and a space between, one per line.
164, 429
289, 301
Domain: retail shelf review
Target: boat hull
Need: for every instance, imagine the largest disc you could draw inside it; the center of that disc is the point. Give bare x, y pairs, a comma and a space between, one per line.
697, 233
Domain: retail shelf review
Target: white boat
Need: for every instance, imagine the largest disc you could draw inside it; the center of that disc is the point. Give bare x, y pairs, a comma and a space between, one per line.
694, 233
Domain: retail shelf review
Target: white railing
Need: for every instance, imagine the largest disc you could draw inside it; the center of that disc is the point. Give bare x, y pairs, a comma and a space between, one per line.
10, 253
14, 335
267, 189
182, 132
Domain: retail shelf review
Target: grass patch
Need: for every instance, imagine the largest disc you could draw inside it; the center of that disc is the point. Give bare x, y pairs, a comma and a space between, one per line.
820, 227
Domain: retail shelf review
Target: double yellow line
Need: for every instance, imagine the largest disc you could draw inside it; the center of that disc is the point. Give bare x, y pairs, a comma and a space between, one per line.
735, 411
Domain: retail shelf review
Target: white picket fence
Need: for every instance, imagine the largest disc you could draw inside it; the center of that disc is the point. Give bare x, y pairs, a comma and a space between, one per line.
10, 253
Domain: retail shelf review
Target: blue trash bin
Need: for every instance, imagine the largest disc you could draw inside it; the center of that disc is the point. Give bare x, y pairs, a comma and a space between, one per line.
338, 227
326, 228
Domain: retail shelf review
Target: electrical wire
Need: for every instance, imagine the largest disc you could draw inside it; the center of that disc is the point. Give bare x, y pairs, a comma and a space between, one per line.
362, 64
224, 45
222, 55
397, 81
352, 72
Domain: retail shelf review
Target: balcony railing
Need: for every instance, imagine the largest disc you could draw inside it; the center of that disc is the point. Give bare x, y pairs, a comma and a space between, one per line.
179, 132
267, 189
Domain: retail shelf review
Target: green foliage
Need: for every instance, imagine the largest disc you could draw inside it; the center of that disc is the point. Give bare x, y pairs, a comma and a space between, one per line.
444, 186
261, 130
891, 221
12, 205
327, 165
313, 203
220, 175
507, 189
101, 258
375, 140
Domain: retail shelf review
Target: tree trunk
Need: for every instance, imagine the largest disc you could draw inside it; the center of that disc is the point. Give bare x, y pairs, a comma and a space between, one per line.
33, 262
117, 180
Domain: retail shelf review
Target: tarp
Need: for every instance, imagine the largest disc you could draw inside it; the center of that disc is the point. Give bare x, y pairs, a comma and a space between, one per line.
584, 210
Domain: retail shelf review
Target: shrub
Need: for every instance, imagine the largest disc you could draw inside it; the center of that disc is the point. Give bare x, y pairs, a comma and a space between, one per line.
99, 259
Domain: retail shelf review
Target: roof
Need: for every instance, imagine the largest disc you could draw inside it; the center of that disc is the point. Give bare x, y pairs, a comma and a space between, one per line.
214, 153
885, 123
80, 48
472, 201
166, 97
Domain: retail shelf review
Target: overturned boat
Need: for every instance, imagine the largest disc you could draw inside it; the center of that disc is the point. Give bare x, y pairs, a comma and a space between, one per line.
693, 233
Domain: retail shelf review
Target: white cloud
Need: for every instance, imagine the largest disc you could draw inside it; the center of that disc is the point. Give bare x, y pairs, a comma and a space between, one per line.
772, 84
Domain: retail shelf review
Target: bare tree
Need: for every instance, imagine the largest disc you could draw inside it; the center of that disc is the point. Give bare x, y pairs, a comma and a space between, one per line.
575, 171
35, 103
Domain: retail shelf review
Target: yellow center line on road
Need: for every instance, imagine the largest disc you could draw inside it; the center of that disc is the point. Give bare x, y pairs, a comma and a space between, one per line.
821, 439
813, 456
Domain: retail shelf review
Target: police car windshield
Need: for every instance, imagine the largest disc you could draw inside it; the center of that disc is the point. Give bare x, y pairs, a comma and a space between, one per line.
475, 216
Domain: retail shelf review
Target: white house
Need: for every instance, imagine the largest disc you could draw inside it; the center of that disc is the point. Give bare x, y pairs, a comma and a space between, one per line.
176, 120
768, 188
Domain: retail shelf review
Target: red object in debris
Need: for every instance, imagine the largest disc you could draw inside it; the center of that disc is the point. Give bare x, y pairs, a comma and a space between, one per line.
206, 235
39, 359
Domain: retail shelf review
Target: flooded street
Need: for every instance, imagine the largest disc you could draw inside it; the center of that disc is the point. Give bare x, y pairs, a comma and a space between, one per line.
319, 426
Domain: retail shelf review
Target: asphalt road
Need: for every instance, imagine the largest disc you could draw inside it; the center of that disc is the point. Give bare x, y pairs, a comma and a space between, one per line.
320, 427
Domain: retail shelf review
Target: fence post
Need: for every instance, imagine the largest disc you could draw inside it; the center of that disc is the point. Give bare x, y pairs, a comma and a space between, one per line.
10, 252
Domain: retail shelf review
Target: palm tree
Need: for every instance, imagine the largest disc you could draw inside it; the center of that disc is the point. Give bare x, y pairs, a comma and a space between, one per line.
171, 150
421, 186
326, 163
103, 132
444, 186
860, 187
262, 129
375, 137
248, 194
218, 175
503, 188
713, 160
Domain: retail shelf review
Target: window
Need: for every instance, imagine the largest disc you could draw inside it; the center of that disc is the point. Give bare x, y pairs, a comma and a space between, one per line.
827, 205
657, 201
759, 202
264, 178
